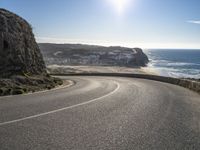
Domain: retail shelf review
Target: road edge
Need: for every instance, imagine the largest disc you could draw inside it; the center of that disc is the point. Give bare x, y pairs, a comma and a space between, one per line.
191, 85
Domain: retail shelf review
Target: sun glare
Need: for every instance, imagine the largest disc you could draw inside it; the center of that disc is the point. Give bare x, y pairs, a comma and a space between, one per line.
120, 5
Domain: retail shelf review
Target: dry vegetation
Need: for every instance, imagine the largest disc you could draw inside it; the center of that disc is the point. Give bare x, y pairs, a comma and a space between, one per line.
25, 84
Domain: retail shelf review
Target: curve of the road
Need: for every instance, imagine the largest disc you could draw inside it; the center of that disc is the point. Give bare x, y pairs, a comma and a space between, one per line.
102, 113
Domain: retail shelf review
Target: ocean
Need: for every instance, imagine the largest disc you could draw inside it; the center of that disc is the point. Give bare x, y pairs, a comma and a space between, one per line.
175, 63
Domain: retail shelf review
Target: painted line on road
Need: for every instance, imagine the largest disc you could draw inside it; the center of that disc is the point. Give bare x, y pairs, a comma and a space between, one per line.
62, 109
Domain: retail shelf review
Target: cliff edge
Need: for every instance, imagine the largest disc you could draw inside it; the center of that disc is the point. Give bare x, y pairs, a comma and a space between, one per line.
19, 52
90, 55
22, 68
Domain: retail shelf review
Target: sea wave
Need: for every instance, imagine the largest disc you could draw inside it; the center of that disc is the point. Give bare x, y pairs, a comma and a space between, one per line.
183, 75
181, 64
170, 63
177, 73
175, 63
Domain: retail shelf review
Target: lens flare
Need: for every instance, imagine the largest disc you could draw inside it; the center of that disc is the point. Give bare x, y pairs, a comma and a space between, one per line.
120, 5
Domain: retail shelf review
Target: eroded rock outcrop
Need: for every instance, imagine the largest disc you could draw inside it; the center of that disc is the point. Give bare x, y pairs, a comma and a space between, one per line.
19, 52
22, 68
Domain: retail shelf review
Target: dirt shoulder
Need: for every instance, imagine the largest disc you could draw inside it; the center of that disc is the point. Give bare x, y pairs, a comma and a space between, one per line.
16, 85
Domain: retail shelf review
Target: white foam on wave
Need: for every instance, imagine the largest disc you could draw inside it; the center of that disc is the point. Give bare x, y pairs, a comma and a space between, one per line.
166, 66
177, 73
181, 64
183, 75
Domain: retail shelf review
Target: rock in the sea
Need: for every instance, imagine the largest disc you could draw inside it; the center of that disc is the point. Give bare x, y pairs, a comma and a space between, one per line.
141, 59
19, 52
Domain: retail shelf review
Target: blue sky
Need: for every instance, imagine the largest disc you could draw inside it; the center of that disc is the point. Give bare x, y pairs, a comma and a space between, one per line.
142, 23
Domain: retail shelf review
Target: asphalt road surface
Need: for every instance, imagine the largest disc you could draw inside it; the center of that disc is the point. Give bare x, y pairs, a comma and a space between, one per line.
102, 113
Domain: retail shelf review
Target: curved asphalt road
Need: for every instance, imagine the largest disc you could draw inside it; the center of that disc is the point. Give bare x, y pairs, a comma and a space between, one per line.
102, 113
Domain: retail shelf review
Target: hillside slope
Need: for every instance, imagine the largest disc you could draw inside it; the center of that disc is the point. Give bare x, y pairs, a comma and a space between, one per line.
77, 54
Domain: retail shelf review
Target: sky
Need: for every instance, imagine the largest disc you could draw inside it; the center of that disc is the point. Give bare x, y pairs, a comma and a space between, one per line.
132, 23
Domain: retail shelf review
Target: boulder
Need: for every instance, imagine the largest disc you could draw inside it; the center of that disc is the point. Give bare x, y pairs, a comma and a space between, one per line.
19, 52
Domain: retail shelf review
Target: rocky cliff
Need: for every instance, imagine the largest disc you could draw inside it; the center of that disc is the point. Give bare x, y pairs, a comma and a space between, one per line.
77, 54
19, 53
22, 68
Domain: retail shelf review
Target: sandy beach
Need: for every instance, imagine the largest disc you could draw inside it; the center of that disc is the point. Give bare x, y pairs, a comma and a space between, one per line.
56, 69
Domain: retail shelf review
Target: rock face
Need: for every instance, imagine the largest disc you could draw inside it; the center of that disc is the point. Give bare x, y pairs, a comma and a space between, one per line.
19, 52
77, 54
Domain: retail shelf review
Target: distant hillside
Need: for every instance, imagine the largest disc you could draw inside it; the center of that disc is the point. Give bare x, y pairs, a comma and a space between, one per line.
77, 54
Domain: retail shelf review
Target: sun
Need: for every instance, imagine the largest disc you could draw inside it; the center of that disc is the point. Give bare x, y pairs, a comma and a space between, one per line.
120, 5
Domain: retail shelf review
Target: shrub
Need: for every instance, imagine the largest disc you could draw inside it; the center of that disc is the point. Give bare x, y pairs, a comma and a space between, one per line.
7, 91
17, 91
1, 92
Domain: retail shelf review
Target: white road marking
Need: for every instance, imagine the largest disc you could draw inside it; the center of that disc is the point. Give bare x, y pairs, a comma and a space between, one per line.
62, 109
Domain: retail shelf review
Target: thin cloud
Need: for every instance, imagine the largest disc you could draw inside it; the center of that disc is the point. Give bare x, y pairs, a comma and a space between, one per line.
194, 21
